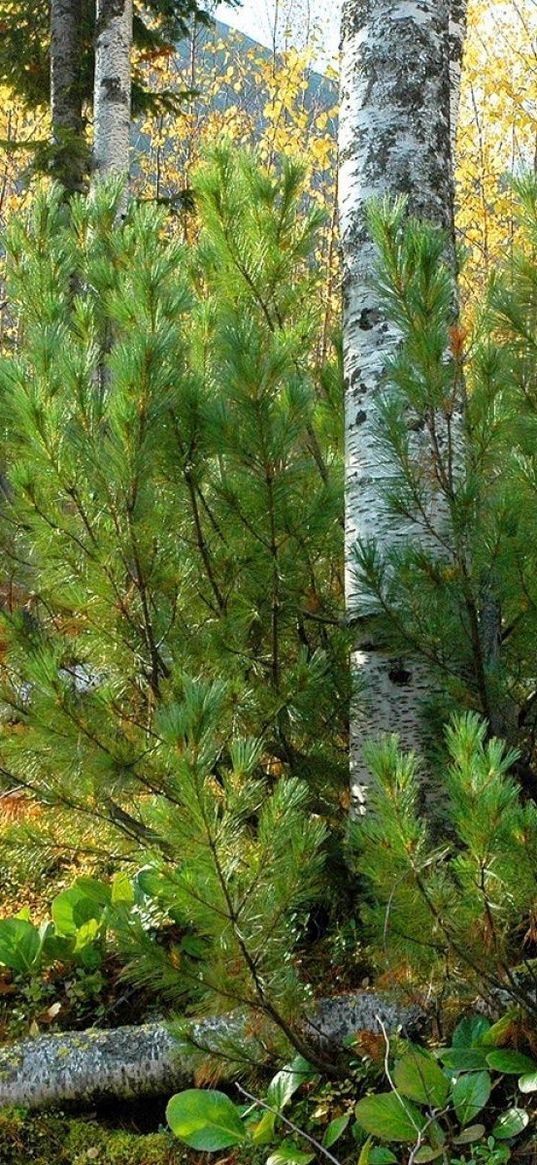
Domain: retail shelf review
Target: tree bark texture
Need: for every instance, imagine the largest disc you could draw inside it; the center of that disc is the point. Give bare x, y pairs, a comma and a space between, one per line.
112, 95
138, 1061
65, 90
400, 73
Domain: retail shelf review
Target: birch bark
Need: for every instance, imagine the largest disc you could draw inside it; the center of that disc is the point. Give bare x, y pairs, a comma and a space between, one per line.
112, 94
142, 1061
400, 75
66, 92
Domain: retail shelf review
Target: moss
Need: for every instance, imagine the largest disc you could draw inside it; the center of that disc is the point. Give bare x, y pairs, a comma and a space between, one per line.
54, 1138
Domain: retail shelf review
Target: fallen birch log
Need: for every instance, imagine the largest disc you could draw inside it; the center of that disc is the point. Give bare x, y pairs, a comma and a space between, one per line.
128, 1062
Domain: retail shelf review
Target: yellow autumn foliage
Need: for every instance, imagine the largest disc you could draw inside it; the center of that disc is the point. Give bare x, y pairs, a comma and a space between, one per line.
497, 131
254, 98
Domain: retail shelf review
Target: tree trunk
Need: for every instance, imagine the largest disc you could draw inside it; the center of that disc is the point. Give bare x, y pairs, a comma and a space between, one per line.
140, 1061
66, 98
400, 71
112, 96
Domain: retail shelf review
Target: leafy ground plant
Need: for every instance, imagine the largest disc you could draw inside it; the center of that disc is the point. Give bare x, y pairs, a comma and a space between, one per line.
210, 1121
438, 1107
439, 1104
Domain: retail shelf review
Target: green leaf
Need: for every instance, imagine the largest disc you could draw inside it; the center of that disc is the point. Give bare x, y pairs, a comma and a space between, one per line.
467, 1136
470, 1095
510, 1063
205, 1120
20, 944
464, 1059
262, 1133
388, 1116
470, 1031
528, 1082
365, 1152
427, 1153
93, 889
510, 1124
497, 1034
122, 889
419, 1077
335, 1129
87, 947
380, 1156
289, 1154
86, 934
286, 1082
79, 904
57, 948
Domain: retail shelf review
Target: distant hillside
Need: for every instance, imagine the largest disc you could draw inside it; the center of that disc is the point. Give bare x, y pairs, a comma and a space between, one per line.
220, 53
321, 92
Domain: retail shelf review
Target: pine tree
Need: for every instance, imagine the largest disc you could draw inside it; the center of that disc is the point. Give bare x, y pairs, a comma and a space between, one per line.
453, 918
178, 665
168, 517
399, 71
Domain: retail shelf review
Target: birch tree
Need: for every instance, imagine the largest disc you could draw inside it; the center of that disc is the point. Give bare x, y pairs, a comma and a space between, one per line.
400, 75
112, 96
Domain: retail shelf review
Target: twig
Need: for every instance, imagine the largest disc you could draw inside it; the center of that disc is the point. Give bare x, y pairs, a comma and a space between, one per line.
300, 1132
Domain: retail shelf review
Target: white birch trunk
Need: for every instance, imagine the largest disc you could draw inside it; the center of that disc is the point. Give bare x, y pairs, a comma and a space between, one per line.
112, 93
143, 1061
400, 72
65, 93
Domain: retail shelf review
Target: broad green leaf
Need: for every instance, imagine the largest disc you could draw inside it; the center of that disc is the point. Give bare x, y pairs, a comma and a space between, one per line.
93, 889
263, 1132
289, 1154
472, 1133
419, 1077
498, 1033
510, 1063
72, 908
58, 948
427, 1153
390, 1117
528, 1083
378, 1155
87, 950
205, 1120
335, 1129
87, 933
470, 1094
464, 1059
286, 1082
470, 1031
20, 944
510, 1124
122, 889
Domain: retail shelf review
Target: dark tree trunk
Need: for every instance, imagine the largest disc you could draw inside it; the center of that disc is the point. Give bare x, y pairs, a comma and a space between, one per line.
66, 96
